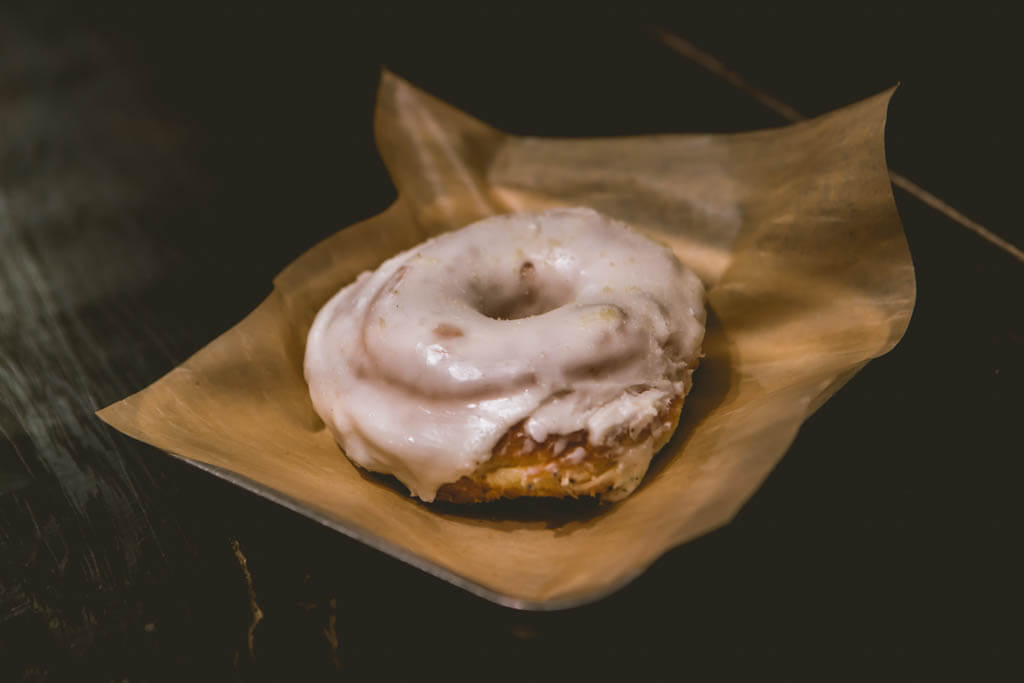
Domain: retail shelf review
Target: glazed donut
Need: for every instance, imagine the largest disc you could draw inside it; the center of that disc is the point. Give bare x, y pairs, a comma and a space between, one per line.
528, 354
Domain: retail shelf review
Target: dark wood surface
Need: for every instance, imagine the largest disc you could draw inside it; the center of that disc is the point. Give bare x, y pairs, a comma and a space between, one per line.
158, 167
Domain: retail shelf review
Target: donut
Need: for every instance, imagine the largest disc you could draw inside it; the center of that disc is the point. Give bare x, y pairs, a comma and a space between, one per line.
531, 354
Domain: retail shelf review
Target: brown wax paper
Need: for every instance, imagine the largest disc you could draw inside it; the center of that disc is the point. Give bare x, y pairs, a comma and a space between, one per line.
794, 232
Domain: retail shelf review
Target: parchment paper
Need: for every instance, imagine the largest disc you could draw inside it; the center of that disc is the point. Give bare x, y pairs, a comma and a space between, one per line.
794, 232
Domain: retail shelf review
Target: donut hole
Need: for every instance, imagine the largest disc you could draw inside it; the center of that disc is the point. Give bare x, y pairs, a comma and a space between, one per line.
532, 291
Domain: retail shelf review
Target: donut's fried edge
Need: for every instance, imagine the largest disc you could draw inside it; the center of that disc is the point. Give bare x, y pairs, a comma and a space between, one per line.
519, 467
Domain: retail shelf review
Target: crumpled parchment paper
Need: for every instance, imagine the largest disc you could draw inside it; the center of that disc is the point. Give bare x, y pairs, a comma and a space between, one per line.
793, 230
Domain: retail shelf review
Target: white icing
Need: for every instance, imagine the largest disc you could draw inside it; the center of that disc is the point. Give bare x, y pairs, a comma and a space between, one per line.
575, 456
632, 412
566, 319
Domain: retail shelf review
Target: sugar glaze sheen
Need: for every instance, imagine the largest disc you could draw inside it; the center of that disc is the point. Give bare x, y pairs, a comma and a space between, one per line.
562, 320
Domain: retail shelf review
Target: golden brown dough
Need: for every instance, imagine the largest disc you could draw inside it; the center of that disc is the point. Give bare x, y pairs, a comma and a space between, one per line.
520, 468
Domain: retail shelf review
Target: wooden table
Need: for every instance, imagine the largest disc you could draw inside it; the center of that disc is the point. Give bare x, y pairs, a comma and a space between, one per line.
158, 167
